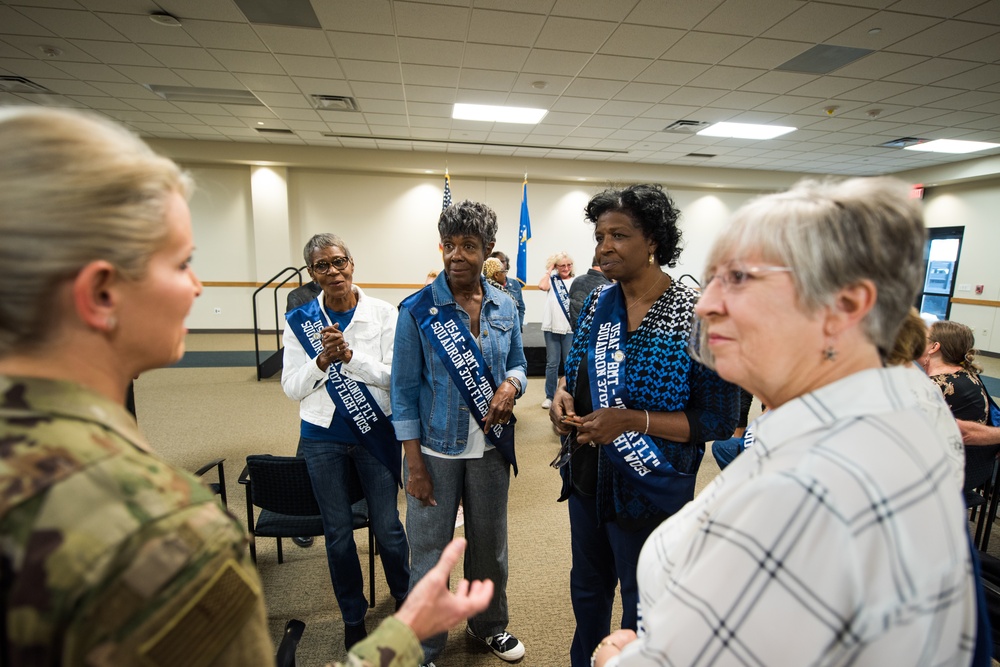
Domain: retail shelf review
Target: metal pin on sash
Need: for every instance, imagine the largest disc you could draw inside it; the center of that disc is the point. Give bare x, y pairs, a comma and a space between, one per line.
618, 356
433, 310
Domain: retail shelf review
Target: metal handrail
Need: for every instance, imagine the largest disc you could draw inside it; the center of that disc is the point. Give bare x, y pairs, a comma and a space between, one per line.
292, 272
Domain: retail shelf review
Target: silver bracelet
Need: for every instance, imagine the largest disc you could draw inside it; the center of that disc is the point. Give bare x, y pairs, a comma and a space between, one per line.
646, 432
514, 383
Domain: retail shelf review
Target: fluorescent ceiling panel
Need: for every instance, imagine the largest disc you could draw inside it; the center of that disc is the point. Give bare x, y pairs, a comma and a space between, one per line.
212, 95
498, 114
952, 146
745, 131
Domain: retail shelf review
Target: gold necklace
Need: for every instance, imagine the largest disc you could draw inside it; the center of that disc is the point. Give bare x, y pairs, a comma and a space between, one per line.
639, 298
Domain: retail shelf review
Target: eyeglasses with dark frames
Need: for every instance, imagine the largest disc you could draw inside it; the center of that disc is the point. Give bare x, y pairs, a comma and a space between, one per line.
323, 266
566, 452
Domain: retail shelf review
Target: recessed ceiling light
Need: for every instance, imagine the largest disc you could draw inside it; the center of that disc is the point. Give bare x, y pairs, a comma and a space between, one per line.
260, 122
498, 114
874, 31
540, 85
745, 131
952, 146
165, 19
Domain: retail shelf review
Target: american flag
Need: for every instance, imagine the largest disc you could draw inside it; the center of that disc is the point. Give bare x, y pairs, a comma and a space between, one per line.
447, 191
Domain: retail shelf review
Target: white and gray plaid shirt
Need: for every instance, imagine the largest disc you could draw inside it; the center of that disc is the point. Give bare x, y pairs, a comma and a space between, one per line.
838, 539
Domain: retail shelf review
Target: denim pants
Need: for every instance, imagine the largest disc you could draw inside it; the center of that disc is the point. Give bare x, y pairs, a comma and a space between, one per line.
603, 556
556, 348
481, 485
328, 468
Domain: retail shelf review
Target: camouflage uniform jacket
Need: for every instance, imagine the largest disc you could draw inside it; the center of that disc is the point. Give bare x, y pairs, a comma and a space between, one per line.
392, 644
108, 555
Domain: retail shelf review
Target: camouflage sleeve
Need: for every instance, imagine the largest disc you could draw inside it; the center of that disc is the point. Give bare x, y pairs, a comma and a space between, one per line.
125, 560
392, 644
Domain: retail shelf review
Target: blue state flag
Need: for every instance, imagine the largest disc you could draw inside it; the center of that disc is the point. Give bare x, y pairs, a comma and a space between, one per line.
523, 236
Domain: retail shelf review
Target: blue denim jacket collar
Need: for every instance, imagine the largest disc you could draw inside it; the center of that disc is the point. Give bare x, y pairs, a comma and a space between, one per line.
443, 295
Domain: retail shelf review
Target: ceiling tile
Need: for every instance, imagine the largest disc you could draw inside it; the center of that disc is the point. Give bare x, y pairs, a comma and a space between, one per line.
704, 47
604, 88
765, 53
160, 76
295, 41
877, 90
183, 56
747, 17
921, 96
248, 62
569, 34
267, 82
933, 8
138, 28
622, 108
945, 37
70, 24
102, 103
220, 121
968, 100
430, 75
986, 75
16, 23
791, 104
203, 79
363, 46
92, 72
311, 66
644, 92
937, 70
828, 86
681, 14
692, 96
117, 53
382, 91
671, 72
985, 50
32, 68
777, 82
432, 94
127, 90
483, 79
430, 51
640, 41
816, 22
430, 21
721, 76
880, 65
741, 100
561, 63
371, 16
370, 70
224, 35
593, 9
583, 105
614, 67
987, 12
510, 28
491, 56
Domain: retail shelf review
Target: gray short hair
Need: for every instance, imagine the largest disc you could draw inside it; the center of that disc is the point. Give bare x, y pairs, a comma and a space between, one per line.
470, 218
76, 188
834, 234
320, 241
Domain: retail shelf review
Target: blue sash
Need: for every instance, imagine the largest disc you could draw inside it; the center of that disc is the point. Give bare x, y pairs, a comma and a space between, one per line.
562, 296
351, 398
636, 456
464, 361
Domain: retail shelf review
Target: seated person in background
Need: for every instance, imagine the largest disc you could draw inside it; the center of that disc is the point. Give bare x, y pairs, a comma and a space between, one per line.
512, 285
582, 287
949, 360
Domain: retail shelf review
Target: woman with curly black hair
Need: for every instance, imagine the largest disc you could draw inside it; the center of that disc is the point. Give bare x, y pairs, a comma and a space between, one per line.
634, 411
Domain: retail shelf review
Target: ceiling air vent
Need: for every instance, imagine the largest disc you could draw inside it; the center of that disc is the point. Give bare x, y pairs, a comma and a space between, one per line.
335, 103
903, 142
273, 130
18, 84
686, 126
703, 156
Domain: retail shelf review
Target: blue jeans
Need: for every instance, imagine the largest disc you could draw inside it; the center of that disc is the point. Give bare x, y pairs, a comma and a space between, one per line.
603, 556
328, 467
556, 348
481, 485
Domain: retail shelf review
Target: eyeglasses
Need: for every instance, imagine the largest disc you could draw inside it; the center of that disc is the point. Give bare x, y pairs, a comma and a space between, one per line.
569, 447
323, 266
564, 266
736, 275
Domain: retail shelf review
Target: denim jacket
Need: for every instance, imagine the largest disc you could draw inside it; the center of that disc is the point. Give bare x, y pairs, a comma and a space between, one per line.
426, 404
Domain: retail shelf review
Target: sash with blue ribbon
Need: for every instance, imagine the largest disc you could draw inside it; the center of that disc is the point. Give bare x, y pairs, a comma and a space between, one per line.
350, 397
636, 456
452, 341
562, 296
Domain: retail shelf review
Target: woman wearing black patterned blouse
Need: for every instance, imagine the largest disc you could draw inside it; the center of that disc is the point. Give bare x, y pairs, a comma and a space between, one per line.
950, 362
635, 410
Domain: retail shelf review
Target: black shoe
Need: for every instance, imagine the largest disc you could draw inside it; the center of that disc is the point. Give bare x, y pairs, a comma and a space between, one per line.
353, 634
303, 541
399, 603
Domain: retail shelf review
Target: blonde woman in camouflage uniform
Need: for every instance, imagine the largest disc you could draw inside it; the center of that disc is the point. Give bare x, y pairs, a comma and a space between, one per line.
108, 555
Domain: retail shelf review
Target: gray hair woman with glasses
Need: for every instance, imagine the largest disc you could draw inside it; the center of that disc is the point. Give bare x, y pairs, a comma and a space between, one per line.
337, 362
842, 528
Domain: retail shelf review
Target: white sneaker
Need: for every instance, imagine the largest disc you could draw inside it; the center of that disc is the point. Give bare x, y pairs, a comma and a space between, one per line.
547, 403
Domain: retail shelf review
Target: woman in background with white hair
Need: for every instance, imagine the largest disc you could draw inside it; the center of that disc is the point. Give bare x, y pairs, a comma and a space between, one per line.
840, 538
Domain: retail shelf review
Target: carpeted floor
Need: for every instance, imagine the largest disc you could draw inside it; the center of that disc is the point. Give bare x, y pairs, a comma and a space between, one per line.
194, 414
